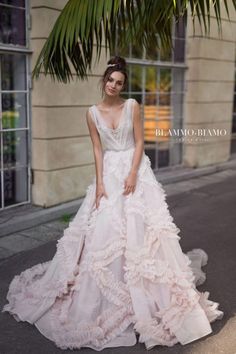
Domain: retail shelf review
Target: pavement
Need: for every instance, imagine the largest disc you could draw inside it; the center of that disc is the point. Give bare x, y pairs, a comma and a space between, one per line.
203, 207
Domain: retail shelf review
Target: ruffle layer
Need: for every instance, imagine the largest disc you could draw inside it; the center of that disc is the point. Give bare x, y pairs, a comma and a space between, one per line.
106, 327
154, 330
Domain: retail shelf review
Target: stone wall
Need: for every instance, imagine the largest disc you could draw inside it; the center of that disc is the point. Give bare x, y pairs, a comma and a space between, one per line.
209, 90
62, 154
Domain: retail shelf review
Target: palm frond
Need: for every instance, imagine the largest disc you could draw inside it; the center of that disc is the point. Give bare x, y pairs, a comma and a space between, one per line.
83, 26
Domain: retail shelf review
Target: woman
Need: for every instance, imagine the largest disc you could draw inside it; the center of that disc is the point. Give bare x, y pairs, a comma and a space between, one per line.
119, 271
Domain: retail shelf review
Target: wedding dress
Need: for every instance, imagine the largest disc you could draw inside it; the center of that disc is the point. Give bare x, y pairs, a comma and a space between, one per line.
119, 272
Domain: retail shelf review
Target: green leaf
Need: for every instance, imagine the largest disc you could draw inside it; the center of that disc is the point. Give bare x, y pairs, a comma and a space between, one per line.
84, 25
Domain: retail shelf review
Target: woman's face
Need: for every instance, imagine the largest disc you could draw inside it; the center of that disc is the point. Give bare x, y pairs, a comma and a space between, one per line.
114, 84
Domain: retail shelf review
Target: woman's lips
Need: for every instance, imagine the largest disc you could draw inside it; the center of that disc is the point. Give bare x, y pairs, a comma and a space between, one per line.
111, 90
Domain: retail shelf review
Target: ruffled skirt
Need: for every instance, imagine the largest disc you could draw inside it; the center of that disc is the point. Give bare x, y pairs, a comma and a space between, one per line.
118, 272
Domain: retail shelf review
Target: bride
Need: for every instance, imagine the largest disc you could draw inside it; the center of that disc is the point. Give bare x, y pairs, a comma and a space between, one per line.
119, 274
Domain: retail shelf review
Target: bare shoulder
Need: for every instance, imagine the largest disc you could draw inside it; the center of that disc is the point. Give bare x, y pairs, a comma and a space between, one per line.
136, 107
134, 100
135, 103
89, 112
89, 117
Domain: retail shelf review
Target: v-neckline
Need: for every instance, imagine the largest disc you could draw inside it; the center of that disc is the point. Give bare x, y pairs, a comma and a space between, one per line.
120, 120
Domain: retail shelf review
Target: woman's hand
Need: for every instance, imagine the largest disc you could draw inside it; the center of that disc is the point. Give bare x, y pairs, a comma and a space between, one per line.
130, 183
100, 191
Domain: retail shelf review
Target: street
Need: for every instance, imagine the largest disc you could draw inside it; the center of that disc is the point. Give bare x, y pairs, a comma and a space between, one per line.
207, 219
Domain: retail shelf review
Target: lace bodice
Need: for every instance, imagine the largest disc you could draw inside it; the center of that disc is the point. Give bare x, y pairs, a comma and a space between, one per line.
120, 138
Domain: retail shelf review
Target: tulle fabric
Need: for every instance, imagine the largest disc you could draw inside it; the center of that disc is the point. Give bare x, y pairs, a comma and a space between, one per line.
118, 272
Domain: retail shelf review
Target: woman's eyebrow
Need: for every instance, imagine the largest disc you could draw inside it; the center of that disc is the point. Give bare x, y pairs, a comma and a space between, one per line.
114, 79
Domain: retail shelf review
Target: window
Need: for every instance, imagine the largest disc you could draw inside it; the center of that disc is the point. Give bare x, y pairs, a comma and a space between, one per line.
14, 105
156, 81
12, 22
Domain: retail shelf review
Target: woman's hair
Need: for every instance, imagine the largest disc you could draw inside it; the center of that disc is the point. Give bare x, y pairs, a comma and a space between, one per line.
115, 63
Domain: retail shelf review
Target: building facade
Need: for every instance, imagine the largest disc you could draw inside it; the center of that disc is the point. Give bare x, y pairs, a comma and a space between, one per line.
46, 155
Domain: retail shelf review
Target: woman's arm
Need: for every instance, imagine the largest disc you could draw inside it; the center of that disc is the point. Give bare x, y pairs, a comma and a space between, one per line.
97, 147
138, 137
130, 181
98, 156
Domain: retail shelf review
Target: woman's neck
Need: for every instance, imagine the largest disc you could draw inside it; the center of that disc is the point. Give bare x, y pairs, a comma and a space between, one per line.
112, 101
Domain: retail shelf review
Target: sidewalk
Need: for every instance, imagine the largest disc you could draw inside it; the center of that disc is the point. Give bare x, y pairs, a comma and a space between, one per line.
28, 226
204, 210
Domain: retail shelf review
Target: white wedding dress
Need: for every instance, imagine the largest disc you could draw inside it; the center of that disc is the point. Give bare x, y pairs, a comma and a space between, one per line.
119, 270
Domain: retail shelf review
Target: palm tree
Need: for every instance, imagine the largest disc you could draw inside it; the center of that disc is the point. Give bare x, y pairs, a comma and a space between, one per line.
83, 23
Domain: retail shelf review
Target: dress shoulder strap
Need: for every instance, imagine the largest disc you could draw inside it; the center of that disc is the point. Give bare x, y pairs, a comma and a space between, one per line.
92, 111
